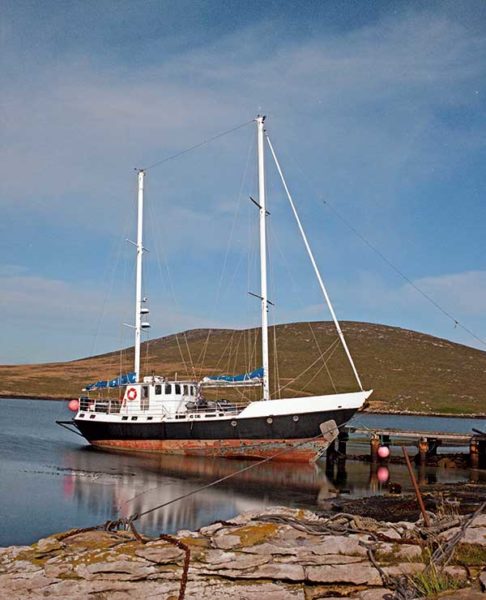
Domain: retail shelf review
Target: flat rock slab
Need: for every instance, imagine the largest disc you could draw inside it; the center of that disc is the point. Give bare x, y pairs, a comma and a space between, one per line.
251, 557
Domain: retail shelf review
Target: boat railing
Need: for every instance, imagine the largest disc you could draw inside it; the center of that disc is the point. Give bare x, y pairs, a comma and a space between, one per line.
100, 405
114, 406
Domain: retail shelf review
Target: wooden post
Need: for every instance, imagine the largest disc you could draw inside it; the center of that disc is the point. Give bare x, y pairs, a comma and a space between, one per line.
342, 439
416, 488
434, 443
374, 445
373, 481
423, 449
474, 453
330, 458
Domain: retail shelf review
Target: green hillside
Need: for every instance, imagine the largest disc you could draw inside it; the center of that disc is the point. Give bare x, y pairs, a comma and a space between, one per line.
408, 371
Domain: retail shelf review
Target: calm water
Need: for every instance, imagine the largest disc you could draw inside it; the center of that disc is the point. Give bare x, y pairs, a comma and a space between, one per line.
52, 481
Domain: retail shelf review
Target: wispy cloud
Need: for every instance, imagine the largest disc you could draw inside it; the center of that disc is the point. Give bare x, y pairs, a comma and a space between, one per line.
371, 111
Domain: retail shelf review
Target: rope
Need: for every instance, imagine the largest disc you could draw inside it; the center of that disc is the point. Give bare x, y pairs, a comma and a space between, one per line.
199, 145
233, 474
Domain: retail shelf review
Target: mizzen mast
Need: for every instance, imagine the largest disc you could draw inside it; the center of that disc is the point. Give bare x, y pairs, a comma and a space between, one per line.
263, 252
138, 281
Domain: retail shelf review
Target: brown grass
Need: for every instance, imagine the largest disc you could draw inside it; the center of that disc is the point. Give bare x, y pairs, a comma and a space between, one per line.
408, 371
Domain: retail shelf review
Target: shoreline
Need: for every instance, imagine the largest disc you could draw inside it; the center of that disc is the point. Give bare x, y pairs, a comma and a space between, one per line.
258, 555
404, 413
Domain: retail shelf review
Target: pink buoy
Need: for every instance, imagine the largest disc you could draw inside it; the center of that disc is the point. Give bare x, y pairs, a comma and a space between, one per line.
383, 452
73, 405
383, 474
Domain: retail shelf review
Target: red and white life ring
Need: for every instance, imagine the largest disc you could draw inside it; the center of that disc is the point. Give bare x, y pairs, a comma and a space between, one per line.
131, 393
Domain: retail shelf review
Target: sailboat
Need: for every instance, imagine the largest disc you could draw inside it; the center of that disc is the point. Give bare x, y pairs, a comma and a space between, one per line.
171, 416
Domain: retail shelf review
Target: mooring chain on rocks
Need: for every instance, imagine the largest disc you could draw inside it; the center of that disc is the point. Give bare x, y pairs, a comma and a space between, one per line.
187, 558
401, 585
127, 524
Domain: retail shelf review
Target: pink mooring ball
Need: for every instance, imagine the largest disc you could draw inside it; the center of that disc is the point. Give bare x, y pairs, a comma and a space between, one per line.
73, 405
383, 452
383, 474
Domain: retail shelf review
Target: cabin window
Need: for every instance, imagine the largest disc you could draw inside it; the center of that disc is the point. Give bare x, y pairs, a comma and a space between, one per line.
177, 389
158, 390
168, 388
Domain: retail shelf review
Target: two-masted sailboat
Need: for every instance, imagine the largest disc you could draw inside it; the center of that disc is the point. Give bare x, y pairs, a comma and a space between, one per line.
160, 414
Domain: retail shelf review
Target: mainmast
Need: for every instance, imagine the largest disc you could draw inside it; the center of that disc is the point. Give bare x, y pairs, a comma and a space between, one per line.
263, 253
138, 283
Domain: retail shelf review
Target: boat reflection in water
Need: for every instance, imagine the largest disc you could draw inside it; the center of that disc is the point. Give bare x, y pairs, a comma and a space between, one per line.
140, 482
112, 485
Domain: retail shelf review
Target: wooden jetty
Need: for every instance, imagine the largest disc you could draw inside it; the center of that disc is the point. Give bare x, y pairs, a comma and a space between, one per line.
427, 442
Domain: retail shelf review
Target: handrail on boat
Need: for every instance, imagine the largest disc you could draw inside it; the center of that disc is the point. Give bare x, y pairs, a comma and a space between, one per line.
108, 406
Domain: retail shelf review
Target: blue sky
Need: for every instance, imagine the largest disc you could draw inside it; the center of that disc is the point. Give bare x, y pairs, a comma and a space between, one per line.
376, 107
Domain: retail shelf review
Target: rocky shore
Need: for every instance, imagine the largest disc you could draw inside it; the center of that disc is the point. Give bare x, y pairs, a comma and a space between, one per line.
271, 555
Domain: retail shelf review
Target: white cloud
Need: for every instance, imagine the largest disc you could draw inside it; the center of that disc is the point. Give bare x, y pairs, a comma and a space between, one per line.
363, 109
462, 293
50, 310
81, 130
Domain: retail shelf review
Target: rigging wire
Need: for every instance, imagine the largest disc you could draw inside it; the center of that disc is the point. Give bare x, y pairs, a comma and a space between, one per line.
402, 274
199, 145
324, 365
321, 356
219, 292
386, 260
297, 290
314, 265
171, 290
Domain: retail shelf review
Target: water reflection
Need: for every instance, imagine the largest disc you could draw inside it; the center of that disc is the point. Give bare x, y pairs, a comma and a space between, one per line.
120, 484
52, 481
142, 481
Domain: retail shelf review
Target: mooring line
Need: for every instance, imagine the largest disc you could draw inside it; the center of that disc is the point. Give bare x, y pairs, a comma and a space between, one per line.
234, 473
127, 524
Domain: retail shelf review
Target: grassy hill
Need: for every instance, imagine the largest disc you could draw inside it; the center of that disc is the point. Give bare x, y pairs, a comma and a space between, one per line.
408, 371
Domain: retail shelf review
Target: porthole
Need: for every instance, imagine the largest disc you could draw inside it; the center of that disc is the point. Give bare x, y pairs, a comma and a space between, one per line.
269, 420
233, 423
295, 418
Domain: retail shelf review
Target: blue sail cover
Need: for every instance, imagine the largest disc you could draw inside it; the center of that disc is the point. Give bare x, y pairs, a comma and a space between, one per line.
112, 383
254, 375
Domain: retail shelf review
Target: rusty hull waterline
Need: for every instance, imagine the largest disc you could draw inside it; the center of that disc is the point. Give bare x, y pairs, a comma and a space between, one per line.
249, 449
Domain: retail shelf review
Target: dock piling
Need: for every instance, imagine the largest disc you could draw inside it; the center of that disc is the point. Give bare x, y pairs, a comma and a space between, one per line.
374, 445
423, 450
